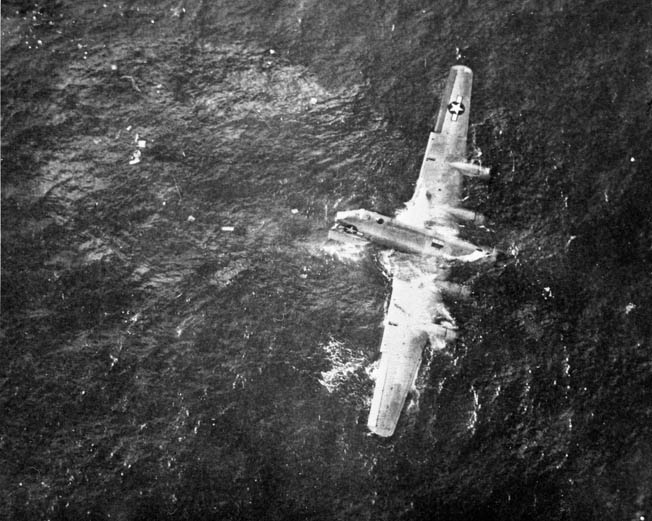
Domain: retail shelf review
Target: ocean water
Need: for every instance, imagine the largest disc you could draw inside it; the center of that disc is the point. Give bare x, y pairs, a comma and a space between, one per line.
178, 341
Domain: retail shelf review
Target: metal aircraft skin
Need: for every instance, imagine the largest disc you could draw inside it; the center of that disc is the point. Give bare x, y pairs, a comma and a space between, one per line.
423, 235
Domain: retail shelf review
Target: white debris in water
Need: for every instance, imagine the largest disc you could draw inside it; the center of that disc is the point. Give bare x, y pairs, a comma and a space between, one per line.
565, 367
135, 157
313, 101
496, 392
224, 276
227, 228
239, 381
526, 400
547, 293
294, 211
473, 417
191, 219
629, 308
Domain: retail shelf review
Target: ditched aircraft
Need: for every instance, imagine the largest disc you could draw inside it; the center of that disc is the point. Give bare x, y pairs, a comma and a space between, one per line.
423, 242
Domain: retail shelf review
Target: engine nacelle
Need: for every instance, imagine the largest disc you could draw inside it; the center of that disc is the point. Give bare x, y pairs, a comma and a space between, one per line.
463, 214
454, 290
471, 169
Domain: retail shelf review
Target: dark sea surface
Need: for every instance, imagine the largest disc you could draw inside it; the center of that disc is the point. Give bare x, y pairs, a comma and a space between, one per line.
178, 342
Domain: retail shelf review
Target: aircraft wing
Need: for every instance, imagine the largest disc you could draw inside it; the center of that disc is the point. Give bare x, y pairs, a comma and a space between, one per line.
395, 377
401, 350
440, 179
409, 327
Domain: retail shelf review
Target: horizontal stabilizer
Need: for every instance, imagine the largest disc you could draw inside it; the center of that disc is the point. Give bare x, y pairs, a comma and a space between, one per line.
338, 235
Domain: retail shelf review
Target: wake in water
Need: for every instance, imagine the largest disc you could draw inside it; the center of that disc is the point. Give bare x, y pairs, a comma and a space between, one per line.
345, 363
347, 253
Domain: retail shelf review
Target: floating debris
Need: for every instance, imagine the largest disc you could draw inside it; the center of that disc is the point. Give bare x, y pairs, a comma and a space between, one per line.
135, 157
225, 276
133, 83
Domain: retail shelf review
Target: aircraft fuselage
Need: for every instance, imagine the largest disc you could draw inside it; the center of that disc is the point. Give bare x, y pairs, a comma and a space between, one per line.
391, 233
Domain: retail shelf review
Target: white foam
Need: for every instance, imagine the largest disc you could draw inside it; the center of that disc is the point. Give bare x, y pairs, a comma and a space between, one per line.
345, 363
